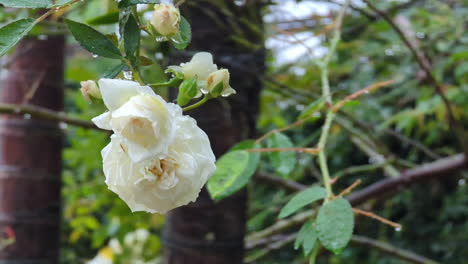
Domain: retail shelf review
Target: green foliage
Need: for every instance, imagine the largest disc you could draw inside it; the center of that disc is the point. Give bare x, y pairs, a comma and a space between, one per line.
335, 223
188, 89
283, 161
92, 40
307, 238
302, 199
14, 32
33, 3
110, 18
132, 40
183, 38
113, 72
233, 170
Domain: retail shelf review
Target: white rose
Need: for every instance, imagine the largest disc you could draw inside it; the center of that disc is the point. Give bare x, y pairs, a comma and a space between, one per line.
220, 77
201, 66
165, 19
141, 119
161, 183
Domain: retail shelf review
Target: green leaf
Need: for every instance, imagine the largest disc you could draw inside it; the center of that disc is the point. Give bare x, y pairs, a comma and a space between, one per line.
312, 108
93, 41
131, 39
13, 33
461, 72
217, 90
335, 223
145, 61
307, 237
27, 3
106, 19
127, 3
183, 38
33, 3
302, 199
283, 161
112, 73
233, 170
463, 55
187, 91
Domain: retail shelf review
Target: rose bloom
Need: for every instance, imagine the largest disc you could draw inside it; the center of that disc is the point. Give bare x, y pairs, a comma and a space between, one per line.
165, 19
142, 119
200, 66
158, 159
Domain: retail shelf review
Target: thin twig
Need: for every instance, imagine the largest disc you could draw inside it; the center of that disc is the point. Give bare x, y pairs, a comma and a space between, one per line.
304, 150
427, 68
439, 168
279, 130
378, 218
350, 188
368, 89
46, 114
391, 250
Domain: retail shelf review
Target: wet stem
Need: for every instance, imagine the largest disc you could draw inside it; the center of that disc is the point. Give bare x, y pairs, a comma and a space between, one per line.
323, 66
197, 104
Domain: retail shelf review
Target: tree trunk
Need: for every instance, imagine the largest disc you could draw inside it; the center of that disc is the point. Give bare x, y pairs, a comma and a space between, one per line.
30, 153
206, 232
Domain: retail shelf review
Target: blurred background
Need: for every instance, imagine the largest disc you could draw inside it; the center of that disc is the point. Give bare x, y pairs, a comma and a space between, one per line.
271, 48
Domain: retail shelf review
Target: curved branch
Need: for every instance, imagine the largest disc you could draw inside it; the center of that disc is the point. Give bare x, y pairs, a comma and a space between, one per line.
46, 114
391, 250
427, 68
439, 168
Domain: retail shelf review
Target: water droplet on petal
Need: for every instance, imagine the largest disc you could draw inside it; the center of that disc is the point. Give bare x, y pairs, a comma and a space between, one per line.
161, 39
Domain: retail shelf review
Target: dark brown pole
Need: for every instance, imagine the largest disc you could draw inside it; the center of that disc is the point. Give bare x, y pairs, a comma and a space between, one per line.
206, 232
30, 152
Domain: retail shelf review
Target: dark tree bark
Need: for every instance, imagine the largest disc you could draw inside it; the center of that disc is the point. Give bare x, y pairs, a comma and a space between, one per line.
208, 232
30, 152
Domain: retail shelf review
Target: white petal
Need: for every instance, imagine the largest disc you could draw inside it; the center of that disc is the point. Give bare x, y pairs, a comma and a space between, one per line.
103, 121
116, 92
200, 66
145, 126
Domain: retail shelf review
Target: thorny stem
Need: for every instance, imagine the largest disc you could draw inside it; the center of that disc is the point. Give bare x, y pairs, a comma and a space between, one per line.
322, 156
197, 104
323, 66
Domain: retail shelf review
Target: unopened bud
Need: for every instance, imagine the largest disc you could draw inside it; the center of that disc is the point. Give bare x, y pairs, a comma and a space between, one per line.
90, 89
218, 83
166, 19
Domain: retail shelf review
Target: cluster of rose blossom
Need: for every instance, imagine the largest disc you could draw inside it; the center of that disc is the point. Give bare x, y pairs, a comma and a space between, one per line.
158, 159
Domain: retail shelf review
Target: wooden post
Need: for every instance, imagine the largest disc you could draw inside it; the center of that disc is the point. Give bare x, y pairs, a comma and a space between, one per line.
30, 152
206, 232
